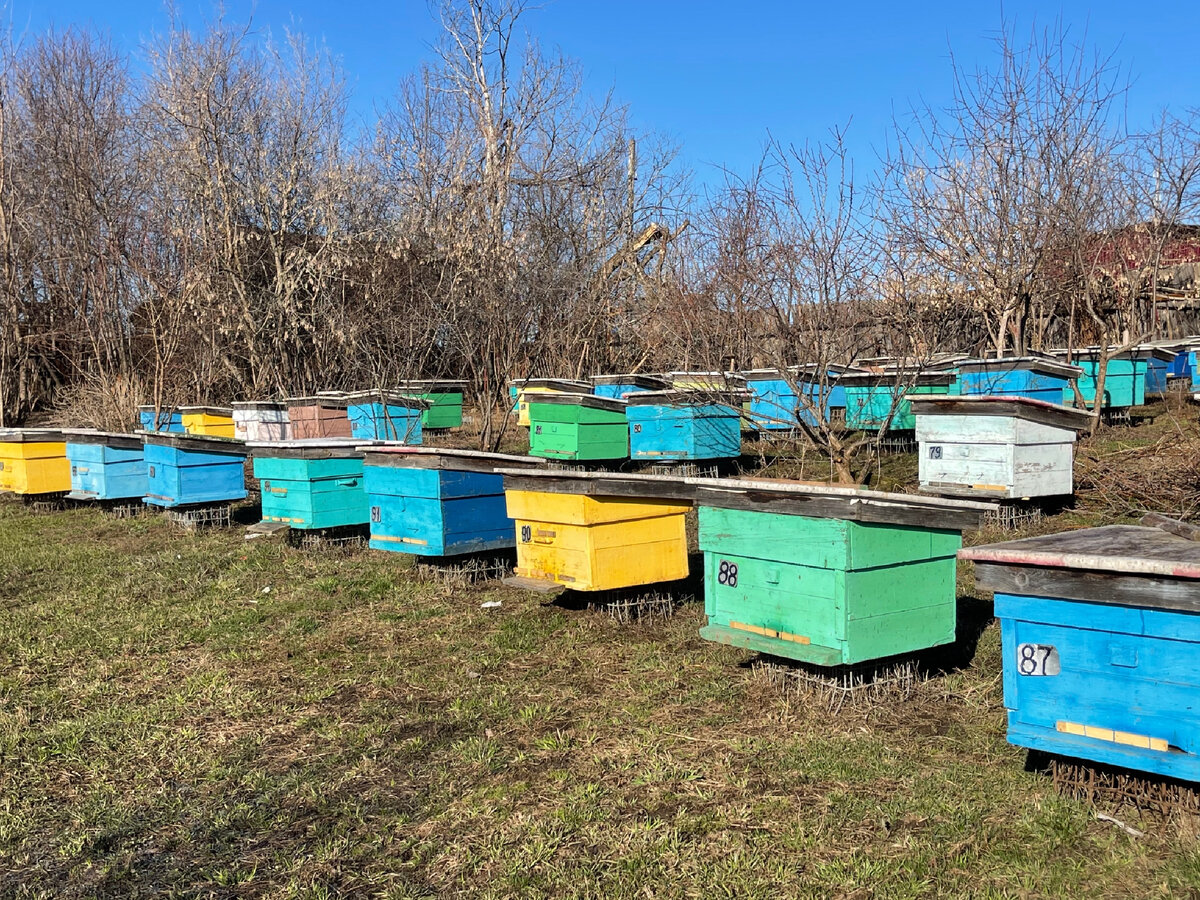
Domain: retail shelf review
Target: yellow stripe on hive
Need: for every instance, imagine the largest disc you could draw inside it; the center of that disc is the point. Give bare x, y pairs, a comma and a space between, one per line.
398, 540
1127, 738
770, 632
988, 487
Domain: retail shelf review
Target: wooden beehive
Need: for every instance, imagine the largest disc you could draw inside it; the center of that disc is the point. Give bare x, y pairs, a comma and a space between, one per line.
520, 389
214, 421
1100, 636
1033, 377
385, 416
260, 420
318, 416
670, 425
779, 401
617, 386
826, 575
1001, 447
33, 461
161, 420
193, 469
872, 396
594, 531
105, 465
311, 484
435, 502
1158, 368
1124, 385
580, 427
445, 399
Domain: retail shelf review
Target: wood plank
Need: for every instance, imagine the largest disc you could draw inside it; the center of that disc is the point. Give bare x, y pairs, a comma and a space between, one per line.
1127, 549
1181, 595
1172, 526
434, 458
1025, 408
537, 585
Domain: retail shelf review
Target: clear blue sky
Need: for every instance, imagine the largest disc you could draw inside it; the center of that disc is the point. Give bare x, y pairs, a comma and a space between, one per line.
716, 76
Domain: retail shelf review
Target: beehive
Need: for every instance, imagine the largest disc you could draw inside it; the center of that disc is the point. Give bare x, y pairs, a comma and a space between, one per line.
260, 420
1001, 447
671, 425
33, 461
105, 466
617, 386
434, 502
311, 484
597, 531
319, 416
385, 416
445, 399
871, 397
192, 469
521, 388
162, 420
214, 421
1124, 385
1158, 368
825, 575
779, 401
581, 427
1100, 636
1032, 377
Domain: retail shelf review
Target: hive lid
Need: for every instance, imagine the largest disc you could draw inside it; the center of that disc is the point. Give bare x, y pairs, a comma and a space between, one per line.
119, 440
432, 386
899, 378
591, 401
1027, 408
225, 411
649, 382
551, 384
720, 380
30, 436
309, 448
1154, 351
835, 371
1092, 354
268, 405
1041, 365
388, 398
679, 397
599, 484
325, 401
166, 410
402, 457
825, 501
1116, 550
197, 443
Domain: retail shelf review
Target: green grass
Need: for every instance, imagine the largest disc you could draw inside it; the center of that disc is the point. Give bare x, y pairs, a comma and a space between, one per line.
170, 727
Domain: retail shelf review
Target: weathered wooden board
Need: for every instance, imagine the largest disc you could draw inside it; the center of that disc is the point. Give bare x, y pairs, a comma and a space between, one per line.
1123, 549
444, 458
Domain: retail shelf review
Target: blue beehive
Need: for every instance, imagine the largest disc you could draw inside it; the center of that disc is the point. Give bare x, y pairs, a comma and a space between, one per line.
185, 470
163, 420
433, 502
1100, 632
616, 387
1031, 377
385, 416
684, 425
1124, 383
105, 466
1158, 368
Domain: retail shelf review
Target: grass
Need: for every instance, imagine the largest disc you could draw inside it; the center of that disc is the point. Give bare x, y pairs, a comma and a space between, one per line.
200, 716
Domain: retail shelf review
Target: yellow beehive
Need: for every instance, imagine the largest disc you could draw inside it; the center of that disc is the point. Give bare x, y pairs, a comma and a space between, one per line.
594, 543
216, 421
34, 462
521, 387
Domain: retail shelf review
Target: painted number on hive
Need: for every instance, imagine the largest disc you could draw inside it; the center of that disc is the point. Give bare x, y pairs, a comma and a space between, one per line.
526, 534
935, 452
376, 515
727, 573
1038, 659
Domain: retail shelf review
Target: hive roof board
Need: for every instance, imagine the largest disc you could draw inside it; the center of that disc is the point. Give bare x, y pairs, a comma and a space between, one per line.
118, 440
551, 384
269, 405
226, 411
898, 377
196, 443
683, 397
1040, 364
648, 382
1027, 408
30, 435
309, 448
599, 484
1126, 565
609, 404
432, 385
401, 457
387, 398
329, 400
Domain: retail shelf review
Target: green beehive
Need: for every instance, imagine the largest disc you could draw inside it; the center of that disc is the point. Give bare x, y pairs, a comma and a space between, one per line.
872, 396
445, 400
828, 576
577, 427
